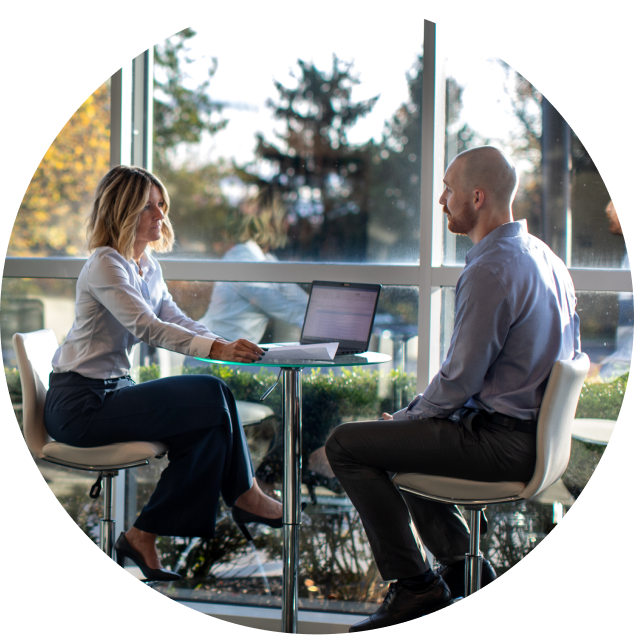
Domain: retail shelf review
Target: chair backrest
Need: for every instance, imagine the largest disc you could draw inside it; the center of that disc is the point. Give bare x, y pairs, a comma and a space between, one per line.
554, 426
34, 352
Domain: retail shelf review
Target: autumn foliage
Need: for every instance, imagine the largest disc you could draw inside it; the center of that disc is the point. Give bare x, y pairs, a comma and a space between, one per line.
51, 219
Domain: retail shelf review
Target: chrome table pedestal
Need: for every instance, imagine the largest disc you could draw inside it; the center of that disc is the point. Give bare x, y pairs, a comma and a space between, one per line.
290, 371
292, 395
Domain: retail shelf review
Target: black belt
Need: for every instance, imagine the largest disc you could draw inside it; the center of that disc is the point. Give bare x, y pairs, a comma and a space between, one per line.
511, 423
495, 418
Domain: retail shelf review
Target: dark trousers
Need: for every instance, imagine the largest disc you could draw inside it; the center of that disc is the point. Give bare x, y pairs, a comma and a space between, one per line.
194, 415
364, 455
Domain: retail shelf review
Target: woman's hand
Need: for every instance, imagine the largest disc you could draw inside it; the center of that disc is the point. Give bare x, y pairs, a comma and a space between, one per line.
387, 416
239, 351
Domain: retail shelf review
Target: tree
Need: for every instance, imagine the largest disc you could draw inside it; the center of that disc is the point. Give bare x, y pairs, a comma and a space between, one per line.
527, 144
50, 221
183, 115
320, 176
394, 196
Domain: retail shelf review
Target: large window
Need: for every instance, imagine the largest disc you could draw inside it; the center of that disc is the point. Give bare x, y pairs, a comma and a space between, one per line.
324, 138
317, 164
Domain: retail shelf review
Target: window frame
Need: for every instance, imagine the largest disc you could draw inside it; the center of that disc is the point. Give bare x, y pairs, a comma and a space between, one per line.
131, 143
131, 140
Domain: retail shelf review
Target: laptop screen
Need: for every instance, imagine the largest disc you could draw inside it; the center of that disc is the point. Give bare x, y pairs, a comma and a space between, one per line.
341, 312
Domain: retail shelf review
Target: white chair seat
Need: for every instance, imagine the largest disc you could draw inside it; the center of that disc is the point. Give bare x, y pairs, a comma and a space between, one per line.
456, 489
251, 413
596, 431
105, 456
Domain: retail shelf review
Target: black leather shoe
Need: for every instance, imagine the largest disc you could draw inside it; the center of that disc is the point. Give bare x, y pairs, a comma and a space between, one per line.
241, 516
453, 575
125, 550
402, 605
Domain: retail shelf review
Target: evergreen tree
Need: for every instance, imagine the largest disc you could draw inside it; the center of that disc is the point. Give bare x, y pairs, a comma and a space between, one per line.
183, 115
320, 176
395, 203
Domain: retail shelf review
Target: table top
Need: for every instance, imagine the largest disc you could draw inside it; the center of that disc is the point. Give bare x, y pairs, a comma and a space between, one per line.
361, 359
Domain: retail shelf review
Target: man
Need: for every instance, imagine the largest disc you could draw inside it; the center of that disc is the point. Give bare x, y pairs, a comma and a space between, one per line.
514, 318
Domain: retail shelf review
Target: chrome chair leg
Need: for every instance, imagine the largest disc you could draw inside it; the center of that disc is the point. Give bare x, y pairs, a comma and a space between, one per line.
106, 548
473, 559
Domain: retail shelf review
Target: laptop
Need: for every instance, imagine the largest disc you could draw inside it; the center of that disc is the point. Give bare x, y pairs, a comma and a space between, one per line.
341, 312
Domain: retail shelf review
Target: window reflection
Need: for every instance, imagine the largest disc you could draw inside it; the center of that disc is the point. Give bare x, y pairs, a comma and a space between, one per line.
561, 194
243, 310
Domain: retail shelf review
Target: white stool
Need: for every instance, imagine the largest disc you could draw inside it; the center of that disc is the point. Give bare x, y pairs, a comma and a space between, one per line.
34, 352
252, 413
554, 433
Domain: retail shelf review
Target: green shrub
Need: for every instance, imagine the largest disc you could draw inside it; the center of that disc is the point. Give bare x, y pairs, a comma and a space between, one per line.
602, 401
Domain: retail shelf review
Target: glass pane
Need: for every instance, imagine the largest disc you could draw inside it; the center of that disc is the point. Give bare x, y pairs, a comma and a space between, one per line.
561, 194
51, 218
313, 155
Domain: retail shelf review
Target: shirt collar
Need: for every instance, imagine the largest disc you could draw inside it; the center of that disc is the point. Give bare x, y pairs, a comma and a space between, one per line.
507, 230
147, 265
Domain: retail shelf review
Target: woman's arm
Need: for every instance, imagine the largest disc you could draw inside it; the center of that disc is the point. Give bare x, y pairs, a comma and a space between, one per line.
108, 281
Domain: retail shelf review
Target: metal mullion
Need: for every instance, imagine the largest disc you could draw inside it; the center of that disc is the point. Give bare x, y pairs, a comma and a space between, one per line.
120, 116
607, 280
142, 111
426, 302
207, 270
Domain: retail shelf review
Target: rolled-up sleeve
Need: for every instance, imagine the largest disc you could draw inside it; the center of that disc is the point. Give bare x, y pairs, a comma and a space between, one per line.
482, 322
109, 283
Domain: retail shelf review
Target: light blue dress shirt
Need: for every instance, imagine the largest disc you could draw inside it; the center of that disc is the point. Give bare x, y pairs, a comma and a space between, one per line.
243, 309
116, 308
514, 318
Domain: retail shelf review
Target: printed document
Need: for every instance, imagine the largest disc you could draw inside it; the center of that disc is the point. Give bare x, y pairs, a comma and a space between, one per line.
317, 352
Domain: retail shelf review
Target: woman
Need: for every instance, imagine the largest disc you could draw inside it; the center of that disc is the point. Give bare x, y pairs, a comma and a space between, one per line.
122, 299
244, 309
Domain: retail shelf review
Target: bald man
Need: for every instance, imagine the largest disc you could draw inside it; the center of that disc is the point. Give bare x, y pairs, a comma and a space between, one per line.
514, 318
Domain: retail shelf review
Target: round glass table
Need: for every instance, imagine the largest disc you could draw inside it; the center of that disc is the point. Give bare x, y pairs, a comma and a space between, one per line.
291, 372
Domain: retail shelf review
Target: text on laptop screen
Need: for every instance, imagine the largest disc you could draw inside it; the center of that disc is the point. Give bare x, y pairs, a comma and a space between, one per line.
340, 314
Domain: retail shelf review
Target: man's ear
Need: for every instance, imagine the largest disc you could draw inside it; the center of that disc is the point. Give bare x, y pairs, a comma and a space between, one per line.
478, 198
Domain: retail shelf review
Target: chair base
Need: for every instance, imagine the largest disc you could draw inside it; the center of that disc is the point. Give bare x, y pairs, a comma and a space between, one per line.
473, 559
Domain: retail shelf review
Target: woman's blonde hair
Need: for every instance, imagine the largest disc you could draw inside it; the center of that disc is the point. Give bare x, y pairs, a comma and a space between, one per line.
120, 198
266, 226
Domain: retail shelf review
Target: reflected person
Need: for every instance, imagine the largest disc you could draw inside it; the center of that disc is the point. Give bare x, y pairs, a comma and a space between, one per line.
618, 363
122, 300
243, 309
515, 316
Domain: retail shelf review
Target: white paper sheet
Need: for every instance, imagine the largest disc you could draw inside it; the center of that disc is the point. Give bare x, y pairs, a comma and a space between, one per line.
318, 352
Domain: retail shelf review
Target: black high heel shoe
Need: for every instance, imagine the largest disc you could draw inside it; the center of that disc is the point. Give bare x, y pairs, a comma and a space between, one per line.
125, 550
241, 516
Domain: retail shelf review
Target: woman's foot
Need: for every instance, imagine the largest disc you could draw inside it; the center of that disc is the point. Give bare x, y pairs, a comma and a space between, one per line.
257, 502
144, 544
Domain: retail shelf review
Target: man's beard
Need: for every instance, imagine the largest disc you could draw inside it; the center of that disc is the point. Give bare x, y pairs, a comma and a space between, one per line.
463, 223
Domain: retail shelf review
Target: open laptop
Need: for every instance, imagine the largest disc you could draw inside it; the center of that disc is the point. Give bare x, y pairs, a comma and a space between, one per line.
341, 312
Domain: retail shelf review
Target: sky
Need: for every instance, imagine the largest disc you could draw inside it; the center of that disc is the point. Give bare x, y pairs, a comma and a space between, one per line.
245, 77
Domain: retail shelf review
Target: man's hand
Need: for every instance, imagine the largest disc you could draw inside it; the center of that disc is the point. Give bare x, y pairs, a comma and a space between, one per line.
239, 351
387, 417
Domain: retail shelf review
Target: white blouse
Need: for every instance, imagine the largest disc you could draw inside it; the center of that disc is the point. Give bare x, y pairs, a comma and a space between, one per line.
116, 308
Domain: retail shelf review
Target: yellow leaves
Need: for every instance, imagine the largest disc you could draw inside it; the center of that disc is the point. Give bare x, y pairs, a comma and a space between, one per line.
52, 213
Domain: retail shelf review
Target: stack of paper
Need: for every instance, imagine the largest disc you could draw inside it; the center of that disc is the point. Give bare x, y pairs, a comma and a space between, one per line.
314, 352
